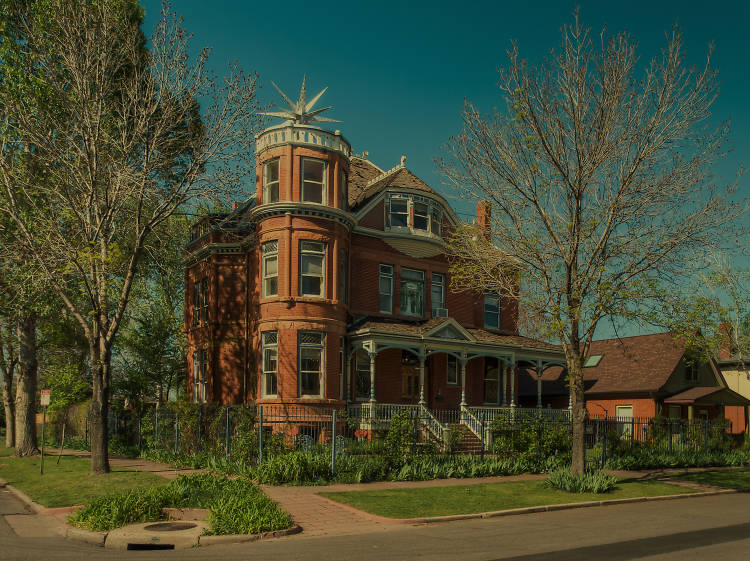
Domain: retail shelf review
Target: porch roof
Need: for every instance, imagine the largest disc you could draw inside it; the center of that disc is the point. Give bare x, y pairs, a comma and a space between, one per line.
701, 395
448, 331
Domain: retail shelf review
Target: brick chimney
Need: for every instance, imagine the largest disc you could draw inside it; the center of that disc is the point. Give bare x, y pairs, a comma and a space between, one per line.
484, 218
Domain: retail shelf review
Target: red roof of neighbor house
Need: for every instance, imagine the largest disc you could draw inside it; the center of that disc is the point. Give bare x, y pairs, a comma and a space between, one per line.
642, 363
689, 396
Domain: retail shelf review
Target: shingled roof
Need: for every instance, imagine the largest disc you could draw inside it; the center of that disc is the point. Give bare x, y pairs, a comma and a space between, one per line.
642, 363
361, 172
417, 329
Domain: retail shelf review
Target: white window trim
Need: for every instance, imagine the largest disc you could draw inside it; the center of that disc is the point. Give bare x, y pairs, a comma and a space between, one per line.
264, 347
390, 277
499, 312
264, 276
357, 371
424, 289
323, 185
433, 284
448, 371
434, 210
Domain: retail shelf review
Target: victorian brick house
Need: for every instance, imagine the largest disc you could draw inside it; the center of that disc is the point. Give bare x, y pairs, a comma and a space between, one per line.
329, 286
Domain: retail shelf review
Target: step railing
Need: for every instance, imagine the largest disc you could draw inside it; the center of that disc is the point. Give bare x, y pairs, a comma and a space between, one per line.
477, 426
432, 424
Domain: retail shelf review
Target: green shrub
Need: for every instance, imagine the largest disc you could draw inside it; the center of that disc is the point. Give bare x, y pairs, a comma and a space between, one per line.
590, 482
236, 506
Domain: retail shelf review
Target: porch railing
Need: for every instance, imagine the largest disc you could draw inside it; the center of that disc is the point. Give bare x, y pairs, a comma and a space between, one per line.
491, 413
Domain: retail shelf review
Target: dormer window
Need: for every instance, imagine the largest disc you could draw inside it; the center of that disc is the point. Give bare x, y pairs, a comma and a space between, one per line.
313, 181
419, 214
271, 181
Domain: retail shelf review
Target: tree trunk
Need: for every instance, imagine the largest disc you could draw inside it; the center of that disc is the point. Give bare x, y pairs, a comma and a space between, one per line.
9, 409
578, 411
99, 410
26, 443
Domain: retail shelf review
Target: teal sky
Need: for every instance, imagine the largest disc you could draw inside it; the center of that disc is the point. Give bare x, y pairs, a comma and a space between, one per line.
398, 72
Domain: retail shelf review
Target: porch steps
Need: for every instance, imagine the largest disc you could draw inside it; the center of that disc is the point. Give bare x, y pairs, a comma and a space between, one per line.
469, 443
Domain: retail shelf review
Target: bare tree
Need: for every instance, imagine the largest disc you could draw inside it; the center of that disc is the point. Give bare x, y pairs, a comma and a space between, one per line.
8, 364
121, 137
600, 189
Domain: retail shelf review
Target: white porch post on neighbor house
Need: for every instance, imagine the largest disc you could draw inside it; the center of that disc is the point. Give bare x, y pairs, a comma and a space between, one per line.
512, 374
421, 376
502, 364
463, 380
373, 356
539, 371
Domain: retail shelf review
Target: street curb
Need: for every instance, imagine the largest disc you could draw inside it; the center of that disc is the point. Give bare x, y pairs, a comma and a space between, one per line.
244, 538
531, 509
86, 536
36, 508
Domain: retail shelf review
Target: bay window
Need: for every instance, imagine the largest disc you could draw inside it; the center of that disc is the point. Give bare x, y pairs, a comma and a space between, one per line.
311, 347
312, 269
313, 181
271, 181
419, 214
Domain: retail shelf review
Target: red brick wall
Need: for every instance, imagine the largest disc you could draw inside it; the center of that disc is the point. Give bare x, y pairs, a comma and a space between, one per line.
642, 406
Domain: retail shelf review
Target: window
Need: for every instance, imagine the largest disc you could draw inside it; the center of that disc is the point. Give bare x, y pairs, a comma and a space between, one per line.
451, 376
313, 181
312, 269
421, 216
196, 377
271, 181
343, 269
437, 291
343, 190
200, 365
675, 411
491, 381
362, 382
270, 350
385, 290
270, 266
691, 372
417, 213
311, 346
491, 311
204, 298
412, 292
624, 416
196, 303
592, 361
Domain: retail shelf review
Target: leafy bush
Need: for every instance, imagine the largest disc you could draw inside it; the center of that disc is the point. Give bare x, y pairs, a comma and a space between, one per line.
590, 482
236, 506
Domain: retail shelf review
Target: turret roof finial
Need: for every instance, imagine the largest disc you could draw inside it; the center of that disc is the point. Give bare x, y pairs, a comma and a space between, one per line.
301, 111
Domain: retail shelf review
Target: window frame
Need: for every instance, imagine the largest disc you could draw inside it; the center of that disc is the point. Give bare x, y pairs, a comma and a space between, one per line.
197, 308
498, 380
692, 373
267, 185
390, 277
196, 378
323, 183
624, 428
268, 347
361, 375
204, 298
449, 370
440, 284
405, 294
312, 253
320, 347
203, 375
488, 296
265, 257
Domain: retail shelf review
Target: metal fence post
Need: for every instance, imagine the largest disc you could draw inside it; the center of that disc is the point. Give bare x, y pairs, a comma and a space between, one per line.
705, 441
604, 446
260, 434
333, 445
632, 431
670, 435
484, 435
226, 435
176, 434
414, 433
156, 426
139, 435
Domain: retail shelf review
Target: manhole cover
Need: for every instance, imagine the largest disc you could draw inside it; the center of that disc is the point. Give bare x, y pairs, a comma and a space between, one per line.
169, 526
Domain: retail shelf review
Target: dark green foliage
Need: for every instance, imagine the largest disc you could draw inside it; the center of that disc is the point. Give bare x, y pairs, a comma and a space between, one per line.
590, 482
531, 438
236, 505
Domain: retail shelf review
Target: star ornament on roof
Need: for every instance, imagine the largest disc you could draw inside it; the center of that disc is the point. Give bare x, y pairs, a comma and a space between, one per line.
301, 112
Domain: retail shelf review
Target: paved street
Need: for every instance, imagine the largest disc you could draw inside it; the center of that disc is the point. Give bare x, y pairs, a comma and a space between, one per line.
706, 528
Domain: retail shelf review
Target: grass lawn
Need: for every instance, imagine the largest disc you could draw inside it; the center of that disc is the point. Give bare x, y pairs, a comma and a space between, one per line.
466, 499
729, 478
69, 483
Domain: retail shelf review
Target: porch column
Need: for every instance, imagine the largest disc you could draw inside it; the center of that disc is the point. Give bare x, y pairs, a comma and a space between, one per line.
539, 371
372, 376
512, 369
421, 376
463, 381
690, 413
502, 365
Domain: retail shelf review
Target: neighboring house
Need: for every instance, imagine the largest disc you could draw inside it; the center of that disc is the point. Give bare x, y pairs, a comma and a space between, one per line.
643, 376
736, 373
330, 286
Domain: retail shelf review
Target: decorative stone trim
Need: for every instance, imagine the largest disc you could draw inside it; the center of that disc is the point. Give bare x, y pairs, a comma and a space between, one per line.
302, 135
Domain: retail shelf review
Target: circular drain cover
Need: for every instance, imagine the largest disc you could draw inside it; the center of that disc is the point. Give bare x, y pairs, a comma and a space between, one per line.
169, 526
